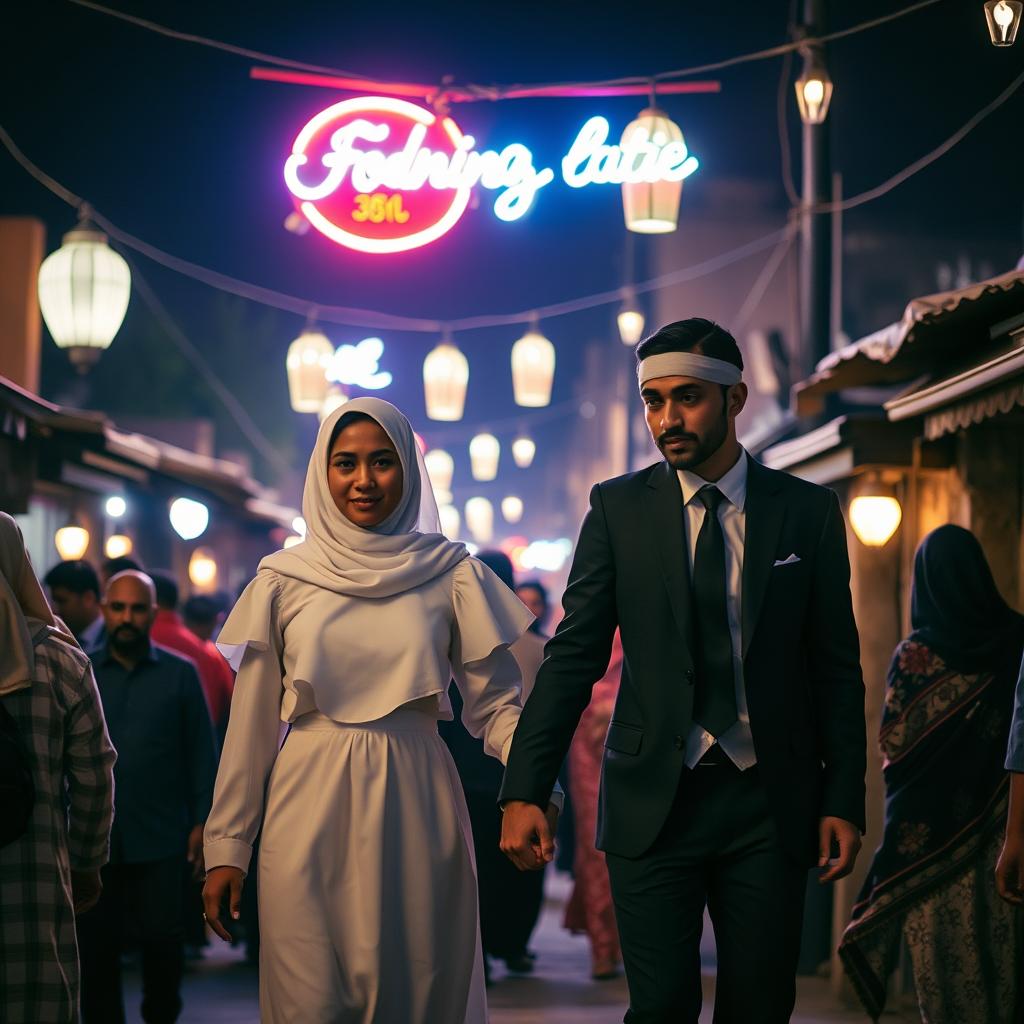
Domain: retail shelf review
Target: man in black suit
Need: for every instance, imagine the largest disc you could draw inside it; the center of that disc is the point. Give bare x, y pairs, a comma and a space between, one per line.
736, 754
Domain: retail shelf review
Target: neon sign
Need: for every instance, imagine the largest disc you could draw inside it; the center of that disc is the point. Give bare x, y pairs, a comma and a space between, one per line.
360, 365
383, 175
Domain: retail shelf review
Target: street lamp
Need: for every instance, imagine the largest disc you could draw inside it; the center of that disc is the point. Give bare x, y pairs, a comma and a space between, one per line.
533, 369
1003, 17
309, 356
84, 289
445, 378
813, 89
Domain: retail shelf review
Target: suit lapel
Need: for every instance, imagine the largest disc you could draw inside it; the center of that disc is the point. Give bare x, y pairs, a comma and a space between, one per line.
765, 511
665, 515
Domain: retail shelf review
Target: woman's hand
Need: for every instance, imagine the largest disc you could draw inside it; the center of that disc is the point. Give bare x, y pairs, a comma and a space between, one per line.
220, 882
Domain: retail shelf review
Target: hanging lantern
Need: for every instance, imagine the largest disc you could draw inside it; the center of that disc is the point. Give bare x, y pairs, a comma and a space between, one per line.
533, 369
875, 518
813, 89
445, 377
450, 520
512, 508
484, 452
440, 468
523, 451
334, 399
309, 356
1003, 17
71, 542
189, 518
84, 289
480, 519
652, 207
202, 569
631, 324
119, 545
115, 506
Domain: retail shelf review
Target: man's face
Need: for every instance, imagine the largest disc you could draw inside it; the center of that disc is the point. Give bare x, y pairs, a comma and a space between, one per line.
78, 610
531, 597
690, 419
129, 610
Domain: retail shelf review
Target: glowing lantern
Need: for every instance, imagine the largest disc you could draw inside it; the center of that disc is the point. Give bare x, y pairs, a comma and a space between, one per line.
334, 399
631, 324
84, 289
445, 377
652, 207
440, 468
484, 452
874, 519
202, 569
299, 526
523, 451
309, 357
116, 506
291, 540
450, 521
480, 519
118, 545
533, 369
813, 90
189, 518
512, 508
1003, 17
71, 542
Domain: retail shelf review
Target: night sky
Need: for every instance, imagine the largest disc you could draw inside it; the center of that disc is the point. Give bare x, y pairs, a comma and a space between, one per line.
177, 145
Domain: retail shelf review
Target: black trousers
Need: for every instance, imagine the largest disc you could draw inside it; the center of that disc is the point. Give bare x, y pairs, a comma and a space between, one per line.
152, 893
720, 849
510, 899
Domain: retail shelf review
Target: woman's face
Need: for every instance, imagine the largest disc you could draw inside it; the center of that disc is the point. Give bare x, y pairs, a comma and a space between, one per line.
364, 474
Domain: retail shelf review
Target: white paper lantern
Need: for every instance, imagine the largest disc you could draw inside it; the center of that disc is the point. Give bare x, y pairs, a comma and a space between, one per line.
202, 569
651, 207
484, 452
445, 378
440, 468
480, 519
875, 518
189, 518
523, 451
533, 369
631, 324
84, 288
71, 542
334, 399
309, 356
512, 508
450, 520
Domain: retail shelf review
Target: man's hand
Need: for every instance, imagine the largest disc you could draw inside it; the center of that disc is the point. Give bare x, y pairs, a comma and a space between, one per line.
220, 882
86, 889
195, 851
1010, 870
846, 836
527, 834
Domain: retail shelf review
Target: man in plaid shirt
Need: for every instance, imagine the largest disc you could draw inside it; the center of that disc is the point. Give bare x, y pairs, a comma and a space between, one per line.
52, 871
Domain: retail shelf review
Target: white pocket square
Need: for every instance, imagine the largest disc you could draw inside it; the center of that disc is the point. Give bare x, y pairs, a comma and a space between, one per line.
792, 560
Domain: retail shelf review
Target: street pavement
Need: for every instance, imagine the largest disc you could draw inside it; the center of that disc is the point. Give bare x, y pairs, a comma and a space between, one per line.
222, 989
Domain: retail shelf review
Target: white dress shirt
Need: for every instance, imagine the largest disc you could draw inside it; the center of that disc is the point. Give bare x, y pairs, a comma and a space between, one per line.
737, 741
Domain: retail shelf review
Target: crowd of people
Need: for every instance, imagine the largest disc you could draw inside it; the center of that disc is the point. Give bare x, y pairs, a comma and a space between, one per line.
337, 745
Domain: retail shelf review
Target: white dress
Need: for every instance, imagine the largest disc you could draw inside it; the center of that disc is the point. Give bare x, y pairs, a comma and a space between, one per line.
367, 890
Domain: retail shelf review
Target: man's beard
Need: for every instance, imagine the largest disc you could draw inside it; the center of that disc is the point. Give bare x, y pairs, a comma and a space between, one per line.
702, 447
128, 639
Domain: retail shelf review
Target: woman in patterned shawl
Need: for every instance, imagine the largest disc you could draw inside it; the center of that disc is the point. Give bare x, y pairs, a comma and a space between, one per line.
943, 738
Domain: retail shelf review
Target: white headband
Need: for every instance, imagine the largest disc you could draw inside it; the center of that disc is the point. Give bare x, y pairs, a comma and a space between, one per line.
687, 364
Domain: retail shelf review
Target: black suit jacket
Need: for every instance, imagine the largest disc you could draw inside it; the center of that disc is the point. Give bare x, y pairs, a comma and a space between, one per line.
801, 659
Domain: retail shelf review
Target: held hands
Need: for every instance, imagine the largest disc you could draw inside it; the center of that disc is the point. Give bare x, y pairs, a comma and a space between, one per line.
220, 882
844, 835
527, 834
1010, 870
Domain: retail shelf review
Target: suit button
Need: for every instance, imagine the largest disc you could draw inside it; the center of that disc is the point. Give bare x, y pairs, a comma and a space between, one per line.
689, 676
678, 742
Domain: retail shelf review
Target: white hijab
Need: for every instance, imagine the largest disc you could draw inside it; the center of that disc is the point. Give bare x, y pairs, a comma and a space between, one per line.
406, 550
23, 609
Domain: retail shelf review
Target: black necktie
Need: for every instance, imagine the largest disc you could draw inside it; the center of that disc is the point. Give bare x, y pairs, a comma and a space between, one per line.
714, 706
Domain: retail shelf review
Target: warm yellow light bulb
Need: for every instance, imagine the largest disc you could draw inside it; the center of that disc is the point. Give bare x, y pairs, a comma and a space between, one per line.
814, 91
875, 519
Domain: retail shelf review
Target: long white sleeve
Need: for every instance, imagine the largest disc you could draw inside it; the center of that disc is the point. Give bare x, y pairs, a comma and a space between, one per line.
491, 703
250, 749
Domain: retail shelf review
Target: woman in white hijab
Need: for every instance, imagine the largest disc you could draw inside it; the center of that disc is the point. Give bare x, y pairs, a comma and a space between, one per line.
52, 870
367, 893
